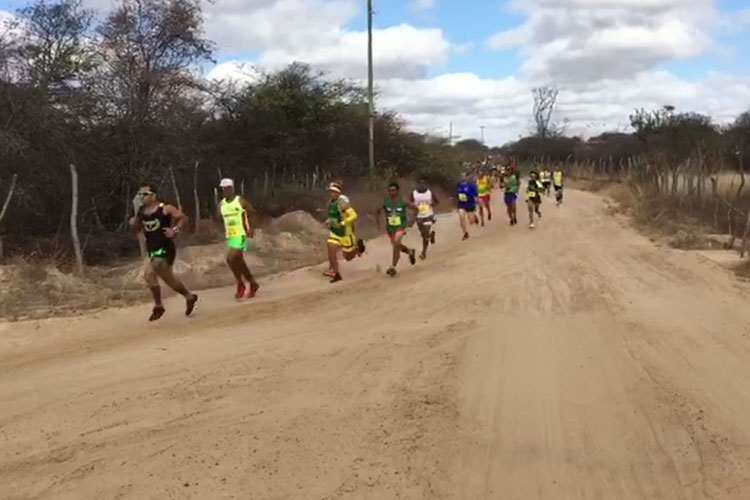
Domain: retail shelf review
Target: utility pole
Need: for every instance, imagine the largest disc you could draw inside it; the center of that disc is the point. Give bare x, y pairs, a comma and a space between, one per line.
371, 103
481, 127
450, 134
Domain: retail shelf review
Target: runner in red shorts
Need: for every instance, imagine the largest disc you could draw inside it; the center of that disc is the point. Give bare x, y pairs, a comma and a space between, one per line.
484, 187
396, 220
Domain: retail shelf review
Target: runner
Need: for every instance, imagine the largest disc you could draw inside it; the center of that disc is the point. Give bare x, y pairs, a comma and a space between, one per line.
484, 188
160, 223
425, 200
557, 181
396, 220
467, 194
234, 210
546, 179
511, 195
343, 199
534, 191
341, 217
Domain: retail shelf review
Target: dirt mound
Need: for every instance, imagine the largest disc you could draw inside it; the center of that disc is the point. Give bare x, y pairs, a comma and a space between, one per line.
298, 222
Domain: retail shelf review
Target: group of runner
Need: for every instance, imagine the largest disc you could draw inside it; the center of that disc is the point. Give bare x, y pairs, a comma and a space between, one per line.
160, 223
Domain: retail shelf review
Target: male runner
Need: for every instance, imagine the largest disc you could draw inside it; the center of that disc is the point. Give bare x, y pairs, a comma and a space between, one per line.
484, 187
160, 224
234, 210
557, 182
546, 181
534, 190
341, 217
396, 220
466, 195
511, 195
425, 200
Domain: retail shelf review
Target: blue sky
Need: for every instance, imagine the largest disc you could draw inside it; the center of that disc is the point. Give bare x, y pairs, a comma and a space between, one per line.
474, 62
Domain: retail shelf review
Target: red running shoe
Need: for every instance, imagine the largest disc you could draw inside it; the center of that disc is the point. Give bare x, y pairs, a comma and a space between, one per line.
240, 291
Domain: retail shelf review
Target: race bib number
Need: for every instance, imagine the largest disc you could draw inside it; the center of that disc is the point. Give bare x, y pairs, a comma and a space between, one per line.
462, 197
233, 231
424, 208
394, 220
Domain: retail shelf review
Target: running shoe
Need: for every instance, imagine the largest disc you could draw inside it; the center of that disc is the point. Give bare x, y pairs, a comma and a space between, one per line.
190, 305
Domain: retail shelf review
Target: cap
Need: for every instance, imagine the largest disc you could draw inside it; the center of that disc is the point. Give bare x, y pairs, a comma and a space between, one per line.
226, 183
335, 187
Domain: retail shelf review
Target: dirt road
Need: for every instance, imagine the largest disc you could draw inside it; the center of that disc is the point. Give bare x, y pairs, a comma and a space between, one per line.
575, 361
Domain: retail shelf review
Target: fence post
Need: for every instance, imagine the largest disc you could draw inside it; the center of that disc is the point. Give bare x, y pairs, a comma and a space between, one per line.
74, 219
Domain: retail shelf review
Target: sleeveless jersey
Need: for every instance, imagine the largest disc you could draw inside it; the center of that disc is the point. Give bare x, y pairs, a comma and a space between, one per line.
235, 217
424, 202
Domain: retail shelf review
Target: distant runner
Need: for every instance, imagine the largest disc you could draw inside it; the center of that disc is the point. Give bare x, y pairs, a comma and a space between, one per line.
341, 217
557, 182
466, 195
425, 200
396, 219
546, 181
511, 195
484, 188
160, 224
234, 210
534, 191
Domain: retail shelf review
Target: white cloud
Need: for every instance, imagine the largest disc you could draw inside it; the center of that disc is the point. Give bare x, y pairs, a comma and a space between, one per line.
235, 70
504, 106
579, 40
398, 51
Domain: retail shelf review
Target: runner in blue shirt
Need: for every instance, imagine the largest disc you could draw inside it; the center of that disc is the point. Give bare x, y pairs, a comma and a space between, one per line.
467, 195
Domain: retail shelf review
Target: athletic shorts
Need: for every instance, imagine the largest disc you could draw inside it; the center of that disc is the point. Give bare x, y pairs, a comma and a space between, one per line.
485, 198
510, 198
467, 210
393, 234
238, 243
558, 188
346, 242
546, 183
535, 201
168, 253
425, 222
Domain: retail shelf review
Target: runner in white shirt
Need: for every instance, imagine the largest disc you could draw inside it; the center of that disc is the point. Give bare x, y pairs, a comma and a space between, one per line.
425, 200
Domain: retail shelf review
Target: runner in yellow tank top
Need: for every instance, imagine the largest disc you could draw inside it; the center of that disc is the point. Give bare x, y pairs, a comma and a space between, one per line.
233, 210
484, 186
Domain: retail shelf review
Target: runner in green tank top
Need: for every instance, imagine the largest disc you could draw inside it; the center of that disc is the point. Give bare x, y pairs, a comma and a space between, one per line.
396, 219
233, 210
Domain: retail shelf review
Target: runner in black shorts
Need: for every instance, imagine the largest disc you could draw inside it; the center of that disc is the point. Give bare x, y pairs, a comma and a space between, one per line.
425, 200
160, 223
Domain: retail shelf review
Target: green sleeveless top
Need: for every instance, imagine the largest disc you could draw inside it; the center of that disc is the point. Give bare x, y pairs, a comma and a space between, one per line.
233, 214
334, 219
395, 214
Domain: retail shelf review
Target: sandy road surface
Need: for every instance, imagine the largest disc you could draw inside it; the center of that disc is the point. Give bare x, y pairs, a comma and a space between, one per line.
576, 361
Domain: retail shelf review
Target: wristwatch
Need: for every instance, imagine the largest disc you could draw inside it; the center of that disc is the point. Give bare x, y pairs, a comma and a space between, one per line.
176, 229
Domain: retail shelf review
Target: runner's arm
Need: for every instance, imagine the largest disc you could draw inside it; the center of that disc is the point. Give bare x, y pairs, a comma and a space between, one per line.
135, 222
179, 218
378, 213
348, 216
249, 208
413, 207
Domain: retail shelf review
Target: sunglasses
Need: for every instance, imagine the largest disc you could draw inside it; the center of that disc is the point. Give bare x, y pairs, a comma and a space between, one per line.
145, 193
